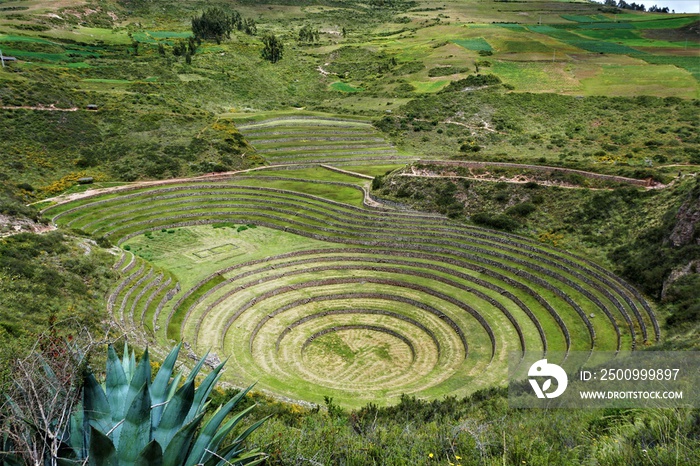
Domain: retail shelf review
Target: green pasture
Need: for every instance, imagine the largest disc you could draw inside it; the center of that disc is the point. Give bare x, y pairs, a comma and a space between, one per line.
343, 194
632, 38
90, 35
344, 87
586, 18
631, 80
311, 174
430, 86
537, 77
688, 63
178, 252
476, 44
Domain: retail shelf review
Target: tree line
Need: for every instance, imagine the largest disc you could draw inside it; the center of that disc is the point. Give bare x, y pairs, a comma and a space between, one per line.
622, 4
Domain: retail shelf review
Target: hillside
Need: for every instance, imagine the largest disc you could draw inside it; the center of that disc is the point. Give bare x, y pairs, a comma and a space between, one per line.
365, 207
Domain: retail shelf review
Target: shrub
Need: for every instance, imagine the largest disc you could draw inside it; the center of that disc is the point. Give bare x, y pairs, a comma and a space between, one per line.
522, 210
499, 222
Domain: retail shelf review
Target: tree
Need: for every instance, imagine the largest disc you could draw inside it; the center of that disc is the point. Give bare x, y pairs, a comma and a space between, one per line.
308, 34
179, 48
215, 24
273, 48
249, 27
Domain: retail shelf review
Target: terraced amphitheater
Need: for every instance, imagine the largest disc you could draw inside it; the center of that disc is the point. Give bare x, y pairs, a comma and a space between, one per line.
287, 140
312, 293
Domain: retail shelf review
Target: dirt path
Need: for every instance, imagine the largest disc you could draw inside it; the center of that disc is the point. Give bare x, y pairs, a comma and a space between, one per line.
65, 198
50, 108
506, 180
472, 164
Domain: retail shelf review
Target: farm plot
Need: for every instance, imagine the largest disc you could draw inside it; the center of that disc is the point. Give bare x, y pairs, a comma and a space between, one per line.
314, 297
314, 139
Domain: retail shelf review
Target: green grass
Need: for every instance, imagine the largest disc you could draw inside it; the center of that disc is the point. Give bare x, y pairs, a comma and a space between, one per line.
344, 87
586, 18
428, 87
476, 44
635, 80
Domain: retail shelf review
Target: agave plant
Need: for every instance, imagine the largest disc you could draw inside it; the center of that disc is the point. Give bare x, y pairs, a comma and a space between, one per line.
131, 420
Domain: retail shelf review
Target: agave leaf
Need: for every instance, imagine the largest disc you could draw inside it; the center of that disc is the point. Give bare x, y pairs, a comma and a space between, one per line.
126, 362
136, 430
159, 388
151, 455
50, 375
143, 369
96, 405
11, 460
197, 367
172, 388
59, 462
249, 431
180, 444
209, 432
132, 363
249, 459
78, 431
117, 387
202, 393
229, 457
174, 415
211, 439
102, 451
141, 374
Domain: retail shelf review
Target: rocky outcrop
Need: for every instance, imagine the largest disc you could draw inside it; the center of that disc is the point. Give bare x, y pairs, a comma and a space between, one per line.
686, 230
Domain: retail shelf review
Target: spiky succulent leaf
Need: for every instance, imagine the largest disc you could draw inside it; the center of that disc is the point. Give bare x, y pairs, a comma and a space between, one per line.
172, 388
96, 406
209, 431
213, 442
203, 442
203, 391
159, 388
249, 431
132, 365
141, 375
126, 362
230, 455
180, 444
197, 367
151, 455
102, 451
136, 430
116, 388
174, 414
78, 431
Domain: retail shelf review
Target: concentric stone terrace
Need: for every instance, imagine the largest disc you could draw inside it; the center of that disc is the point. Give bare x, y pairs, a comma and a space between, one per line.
312, 297
306, 139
